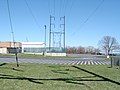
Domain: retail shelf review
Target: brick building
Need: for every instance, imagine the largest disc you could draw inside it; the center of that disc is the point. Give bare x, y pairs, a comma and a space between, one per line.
10, 47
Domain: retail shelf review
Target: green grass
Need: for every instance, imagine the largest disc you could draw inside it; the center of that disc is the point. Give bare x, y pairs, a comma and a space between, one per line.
6, 55
57, 77
36, 56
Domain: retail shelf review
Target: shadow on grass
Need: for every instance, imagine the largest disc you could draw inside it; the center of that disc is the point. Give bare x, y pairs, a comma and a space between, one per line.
3, 64
73, 80
102, 77
56, 66
15, 69
3, 76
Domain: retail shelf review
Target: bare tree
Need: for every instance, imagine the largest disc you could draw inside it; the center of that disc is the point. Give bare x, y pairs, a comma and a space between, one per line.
71, 50
90, 50
80, 50
108, 44
97, 51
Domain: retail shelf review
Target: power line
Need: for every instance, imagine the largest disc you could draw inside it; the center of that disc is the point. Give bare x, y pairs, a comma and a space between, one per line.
49, 7
71, 6
54, 8
94, 11
66, 3
60, 7
31, 12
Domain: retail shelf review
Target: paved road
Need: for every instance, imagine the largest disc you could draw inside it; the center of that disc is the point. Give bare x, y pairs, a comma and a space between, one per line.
61, 61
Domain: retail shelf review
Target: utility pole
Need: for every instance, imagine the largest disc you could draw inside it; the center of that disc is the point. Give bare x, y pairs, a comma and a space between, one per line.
11, 26
45, 37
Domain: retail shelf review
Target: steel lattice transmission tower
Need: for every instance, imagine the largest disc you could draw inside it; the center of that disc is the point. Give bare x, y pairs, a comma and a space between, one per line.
57, 36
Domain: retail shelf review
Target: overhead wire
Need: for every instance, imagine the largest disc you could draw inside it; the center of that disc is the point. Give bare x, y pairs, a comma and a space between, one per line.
51, 4
31, 12
71, 6
93, 12
66, 4
60, 8
54, 8
49, 10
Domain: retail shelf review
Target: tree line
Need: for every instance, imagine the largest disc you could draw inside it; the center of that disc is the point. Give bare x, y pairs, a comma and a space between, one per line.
107, 45
83, 50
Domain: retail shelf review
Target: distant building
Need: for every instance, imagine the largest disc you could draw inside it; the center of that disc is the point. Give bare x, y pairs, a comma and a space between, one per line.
33, 47
30, 48
10, 47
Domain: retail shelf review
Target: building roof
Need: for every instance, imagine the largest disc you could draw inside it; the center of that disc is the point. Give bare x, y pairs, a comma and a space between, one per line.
32, 44
9, 44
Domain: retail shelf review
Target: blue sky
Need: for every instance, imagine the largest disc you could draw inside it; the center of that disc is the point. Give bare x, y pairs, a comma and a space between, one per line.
105, 21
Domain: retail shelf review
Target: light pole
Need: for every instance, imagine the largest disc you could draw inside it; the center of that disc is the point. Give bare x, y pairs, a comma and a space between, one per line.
45, 37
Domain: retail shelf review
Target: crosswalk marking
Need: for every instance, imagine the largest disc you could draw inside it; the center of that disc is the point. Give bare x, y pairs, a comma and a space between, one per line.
85, 62
95, 63
81, 62
103, 63
70, 63
61, 61
98, 62
78, 62
92, 63
88, 62
73, 63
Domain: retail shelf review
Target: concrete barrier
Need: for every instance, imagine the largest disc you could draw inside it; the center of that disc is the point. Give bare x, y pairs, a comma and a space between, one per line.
55, 54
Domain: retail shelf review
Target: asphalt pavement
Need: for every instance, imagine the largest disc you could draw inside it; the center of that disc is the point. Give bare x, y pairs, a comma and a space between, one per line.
59, 61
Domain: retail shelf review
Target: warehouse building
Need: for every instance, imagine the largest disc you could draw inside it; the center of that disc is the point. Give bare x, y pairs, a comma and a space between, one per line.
10, 47
30, 48
33, 47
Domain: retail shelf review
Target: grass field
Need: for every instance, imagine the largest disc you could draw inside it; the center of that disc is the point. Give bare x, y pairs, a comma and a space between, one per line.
58, 77
37, 56
20, 55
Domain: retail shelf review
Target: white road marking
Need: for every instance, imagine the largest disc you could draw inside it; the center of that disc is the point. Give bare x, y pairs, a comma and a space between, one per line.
78, 62
81, 62
85, 62
92, 63
95, 62
98, 62
88, 62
